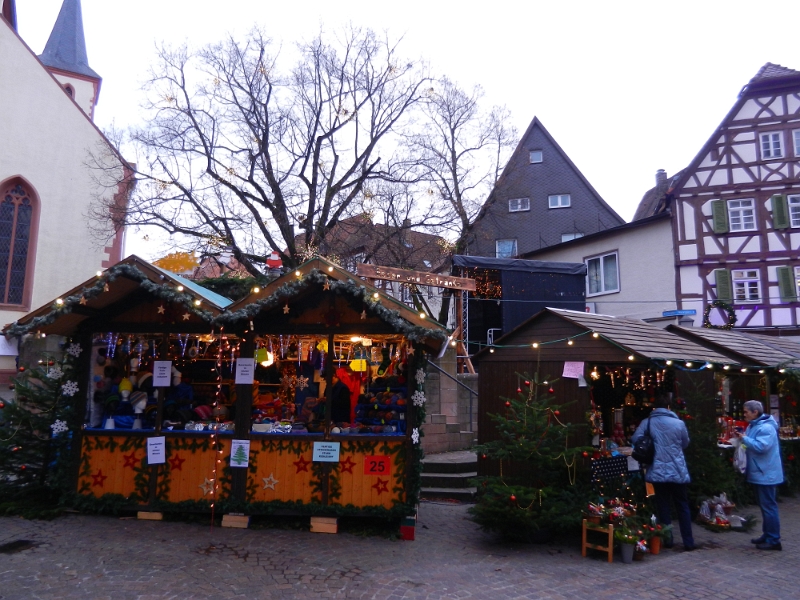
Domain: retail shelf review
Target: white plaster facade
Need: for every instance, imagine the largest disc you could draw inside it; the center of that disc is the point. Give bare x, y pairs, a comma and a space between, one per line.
646, 266
47, 141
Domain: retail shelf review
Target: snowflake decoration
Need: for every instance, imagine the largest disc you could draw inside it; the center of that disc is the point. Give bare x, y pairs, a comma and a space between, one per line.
55, 373
420, 377
69, 388
75, 350
59, 427
302, 383
415, 436
418, 398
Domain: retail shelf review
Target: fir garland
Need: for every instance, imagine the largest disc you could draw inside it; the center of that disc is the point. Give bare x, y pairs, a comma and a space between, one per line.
724, 306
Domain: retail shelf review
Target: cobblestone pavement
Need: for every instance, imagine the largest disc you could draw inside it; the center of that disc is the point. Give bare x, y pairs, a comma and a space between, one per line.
82, 556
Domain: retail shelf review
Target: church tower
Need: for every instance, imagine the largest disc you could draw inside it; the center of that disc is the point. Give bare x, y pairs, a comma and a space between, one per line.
65, 58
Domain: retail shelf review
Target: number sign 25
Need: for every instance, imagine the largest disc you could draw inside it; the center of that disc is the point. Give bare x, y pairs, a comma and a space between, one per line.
376, 465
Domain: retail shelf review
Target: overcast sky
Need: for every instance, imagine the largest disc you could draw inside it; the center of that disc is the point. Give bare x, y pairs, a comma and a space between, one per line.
626, 88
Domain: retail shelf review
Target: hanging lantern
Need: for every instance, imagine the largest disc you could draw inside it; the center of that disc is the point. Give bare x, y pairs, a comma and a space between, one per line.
264, 357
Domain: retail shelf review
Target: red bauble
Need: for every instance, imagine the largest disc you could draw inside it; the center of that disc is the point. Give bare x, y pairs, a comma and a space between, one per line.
585, 454
22, 468
556, 413
513, 498
790, 457
527, 383
50, 363
508, 403
2, 405
21, 369
483, 456
519, 390
551, 391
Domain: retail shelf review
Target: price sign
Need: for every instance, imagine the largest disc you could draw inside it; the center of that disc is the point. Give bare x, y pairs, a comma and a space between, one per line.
376, 465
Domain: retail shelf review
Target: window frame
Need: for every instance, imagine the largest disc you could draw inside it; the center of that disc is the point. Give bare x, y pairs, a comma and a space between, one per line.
522, 201
770, 137
793, 223
731, 211
575, 236
796, 273
559, 198
513, 254
796, 140
736, 281
601, 261
531, 160
6, 188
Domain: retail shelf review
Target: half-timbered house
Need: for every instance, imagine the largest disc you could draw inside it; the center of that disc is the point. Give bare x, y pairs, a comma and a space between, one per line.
736, 210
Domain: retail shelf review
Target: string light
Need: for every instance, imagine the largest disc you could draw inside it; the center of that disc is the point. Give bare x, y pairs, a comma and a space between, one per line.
535, 345
179, 288
689, 365
727, 367
59, 301
744, 369
570, 343
256, 289
297, 273
669, 363
631, 357
595, 334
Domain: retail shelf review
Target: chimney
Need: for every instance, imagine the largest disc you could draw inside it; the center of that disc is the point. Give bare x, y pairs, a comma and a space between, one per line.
406, 223
661, 177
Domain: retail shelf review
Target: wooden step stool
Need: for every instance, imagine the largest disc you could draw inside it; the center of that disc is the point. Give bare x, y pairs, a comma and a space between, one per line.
608, 547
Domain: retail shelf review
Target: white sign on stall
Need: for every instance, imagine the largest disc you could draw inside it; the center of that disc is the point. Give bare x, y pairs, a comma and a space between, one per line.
162, 373
573, 370
326, 452
245, 370
240, 453
156, 450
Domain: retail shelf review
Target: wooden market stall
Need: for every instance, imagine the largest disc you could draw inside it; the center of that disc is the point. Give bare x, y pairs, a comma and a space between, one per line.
243, 395
608, 367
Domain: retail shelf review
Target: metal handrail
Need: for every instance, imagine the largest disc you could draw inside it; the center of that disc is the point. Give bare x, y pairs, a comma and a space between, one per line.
466, 387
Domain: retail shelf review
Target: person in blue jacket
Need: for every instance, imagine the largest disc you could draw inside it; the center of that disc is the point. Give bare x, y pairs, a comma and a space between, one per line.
764, 470
668, 473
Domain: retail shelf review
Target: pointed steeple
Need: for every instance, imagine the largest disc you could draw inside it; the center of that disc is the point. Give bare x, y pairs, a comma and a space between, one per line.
66, 48
9, 11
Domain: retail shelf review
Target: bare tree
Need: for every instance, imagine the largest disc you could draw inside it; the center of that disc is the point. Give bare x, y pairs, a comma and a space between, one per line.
240, 154
462, 149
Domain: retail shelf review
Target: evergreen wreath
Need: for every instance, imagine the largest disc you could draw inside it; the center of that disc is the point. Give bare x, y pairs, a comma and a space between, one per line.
724, 306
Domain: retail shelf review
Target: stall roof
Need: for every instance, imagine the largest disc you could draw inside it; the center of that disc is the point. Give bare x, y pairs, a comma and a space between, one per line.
319, 271
517, 264
643, 338
632, 335
91, 297
754, 349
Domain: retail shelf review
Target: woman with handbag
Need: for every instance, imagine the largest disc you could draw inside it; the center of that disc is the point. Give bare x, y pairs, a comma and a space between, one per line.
668, 473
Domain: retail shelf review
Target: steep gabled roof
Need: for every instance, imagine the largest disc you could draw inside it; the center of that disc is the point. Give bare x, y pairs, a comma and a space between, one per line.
769, 77
521, 148
66, 47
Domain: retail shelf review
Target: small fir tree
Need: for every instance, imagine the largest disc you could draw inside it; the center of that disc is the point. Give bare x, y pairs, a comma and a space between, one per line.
543, 496
35, 428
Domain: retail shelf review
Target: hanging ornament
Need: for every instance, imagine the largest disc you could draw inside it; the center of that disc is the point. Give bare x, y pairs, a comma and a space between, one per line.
508, 404
527, 383
59, 427
74, 350
286, 309
513, 498
186, 316
2, 405
70, 388
21, 369
327, 284
105, 287
551, 391
519, 390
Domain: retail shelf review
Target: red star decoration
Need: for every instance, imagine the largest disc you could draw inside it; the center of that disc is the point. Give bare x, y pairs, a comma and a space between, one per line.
130, 460
301, 465
347, 465
176, 462
98, 478
381, 486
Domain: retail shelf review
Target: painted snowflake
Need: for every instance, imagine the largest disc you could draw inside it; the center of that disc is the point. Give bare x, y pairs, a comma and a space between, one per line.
302, 383
55, 373
75, 350
59, 427
420, 377
418, 398
415, 435
69, 388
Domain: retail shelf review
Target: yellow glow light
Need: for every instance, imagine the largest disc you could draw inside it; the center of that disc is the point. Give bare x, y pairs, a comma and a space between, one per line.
179, 288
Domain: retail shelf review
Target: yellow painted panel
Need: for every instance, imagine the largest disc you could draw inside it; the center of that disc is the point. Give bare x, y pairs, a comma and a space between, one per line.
110, 469
291, 474
190, 474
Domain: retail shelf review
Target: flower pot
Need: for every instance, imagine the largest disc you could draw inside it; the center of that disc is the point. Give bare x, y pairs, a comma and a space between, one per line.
627, 551
655, 545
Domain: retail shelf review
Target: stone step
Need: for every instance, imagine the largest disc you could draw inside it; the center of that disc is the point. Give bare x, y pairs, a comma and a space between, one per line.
447, 480
460, 494
461, 461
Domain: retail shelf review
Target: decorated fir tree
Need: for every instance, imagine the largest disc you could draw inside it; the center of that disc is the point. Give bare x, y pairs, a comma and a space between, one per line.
536, 492
35, 429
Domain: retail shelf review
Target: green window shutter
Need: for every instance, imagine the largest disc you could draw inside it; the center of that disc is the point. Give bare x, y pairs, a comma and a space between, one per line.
724, 285
719, 214
786, 284
780, 212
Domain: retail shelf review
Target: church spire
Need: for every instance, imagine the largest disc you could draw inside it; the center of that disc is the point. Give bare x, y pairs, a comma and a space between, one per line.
66, 48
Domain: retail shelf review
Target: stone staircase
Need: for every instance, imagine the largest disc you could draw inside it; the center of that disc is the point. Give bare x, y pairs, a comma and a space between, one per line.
445, 476
443, 436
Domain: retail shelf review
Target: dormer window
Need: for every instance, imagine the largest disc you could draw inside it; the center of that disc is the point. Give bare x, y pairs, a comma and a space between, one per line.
519, 204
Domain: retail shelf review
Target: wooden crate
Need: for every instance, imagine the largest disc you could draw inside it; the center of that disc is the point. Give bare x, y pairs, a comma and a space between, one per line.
324, 525
237, 521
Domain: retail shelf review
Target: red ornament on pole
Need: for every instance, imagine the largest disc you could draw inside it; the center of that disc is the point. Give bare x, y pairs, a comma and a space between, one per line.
508, 403
513, 498
21, 369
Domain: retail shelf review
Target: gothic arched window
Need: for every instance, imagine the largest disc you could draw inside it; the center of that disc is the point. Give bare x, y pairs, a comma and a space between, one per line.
18, 212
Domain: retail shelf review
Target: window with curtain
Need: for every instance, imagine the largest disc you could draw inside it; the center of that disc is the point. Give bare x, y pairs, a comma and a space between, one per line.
16, 217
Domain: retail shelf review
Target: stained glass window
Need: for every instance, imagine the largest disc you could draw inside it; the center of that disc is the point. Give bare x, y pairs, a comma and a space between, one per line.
16, 213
